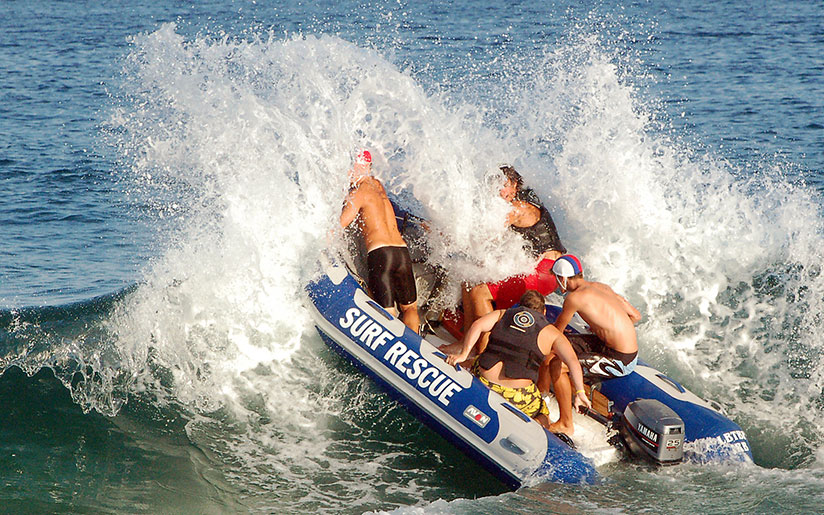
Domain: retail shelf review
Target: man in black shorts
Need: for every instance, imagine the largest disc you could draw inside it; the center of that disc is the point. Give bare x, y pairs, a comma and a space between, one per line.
612, 349
391, 279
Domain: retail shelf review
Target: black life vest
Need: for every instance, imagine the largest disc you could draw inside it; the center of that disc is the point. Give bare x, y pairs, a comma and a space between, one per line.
514, 341
542, 236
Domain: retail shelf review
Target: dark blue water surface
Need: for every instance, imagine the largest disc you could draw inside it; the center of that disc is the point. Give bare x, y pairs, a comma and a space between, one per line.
735, 81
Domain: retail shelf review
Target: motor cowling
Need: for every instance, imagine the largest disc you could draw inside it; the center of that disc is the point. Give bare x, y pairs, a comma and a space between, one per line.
652, 430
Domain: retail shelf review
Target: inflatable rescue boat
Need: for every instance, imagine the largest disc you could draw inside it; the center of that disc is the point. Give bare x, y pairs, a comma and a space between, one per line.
646, 413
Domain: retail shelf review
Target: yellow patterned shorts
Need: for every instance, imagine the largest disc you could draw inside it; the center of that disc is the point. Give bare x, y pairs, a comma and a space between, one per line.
527, 399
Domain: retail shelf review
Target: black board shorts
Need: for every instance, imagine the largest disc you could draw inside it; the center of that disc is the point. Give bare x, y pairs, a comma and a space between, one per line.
599, 361
391, 278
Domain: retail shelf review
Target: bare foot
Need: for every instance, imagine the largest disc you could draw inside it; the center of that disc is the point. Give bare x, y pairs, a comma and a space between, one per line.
557, 427
451, 348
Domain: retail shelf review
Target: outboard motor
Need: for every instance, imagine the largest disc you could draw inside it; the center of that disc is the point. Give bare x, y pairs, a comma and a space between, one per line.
652, 430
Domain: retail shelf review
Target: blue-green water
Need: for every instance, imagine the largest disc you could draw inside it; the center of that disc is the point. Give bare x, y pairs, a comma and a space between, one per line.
170, 172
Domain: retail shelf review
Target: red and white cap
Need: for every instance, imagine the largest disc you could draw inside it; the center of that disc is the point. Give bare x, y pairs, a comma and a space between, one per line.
364, 157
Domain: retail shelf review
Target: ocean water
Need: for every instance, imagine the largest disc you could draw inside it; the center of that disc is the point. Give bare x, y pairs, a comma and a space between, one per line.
170, 171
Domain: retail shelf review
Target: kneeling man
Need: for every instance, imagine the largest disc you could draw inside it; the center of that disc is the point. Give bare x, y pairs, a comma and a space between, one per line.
520, 340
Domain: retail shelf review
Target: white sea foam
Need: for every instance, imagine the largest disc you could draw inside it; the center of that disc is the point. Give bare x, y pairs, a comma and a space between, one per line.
246, 146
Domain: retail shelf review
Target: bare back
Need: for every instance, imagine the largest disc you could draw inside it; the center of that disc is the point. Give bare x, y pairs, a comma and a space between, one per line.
608, 315
368, 203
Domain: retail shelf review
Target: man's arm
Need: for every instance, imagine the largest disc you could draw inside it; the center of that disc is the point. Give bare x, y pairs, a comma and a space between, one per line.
567, 312
522, 214
351, 208
632, 313
482, 325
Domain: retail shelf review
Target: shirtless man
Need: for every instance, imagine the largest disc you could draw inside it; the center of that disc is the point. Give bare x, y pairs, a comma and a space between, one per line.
521, 339
612, 351
390, 278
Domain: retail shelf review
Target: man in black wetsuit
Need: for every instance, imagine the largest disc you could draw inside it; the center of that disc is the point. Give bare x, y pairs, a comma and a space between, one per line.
532, 221
521, 339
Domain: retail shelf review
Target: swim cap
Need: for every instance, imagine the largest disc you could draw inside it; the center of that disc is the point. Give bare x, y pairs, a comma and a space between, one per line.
364, 157
567, 266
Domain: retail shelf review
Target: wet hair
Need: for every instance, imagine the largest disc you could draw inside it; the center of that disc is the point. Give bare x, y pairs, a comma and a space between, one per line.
512, 175
532, 299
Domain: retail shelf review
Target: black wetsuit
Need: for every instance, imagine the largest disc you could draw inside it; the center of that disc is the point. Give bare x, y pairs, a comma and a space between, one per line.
543, 235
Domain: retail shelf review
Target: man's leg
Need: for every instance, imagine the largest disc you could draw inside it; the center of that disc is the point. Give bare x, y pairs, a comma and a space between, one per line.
563, 394
543, 420
404, 289
544, 375
477, 302
410, 316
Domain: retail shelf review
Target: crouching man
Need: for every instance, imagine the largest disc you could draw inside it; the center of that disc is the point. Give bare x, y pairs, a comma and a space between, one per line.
612, 348
520, 341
